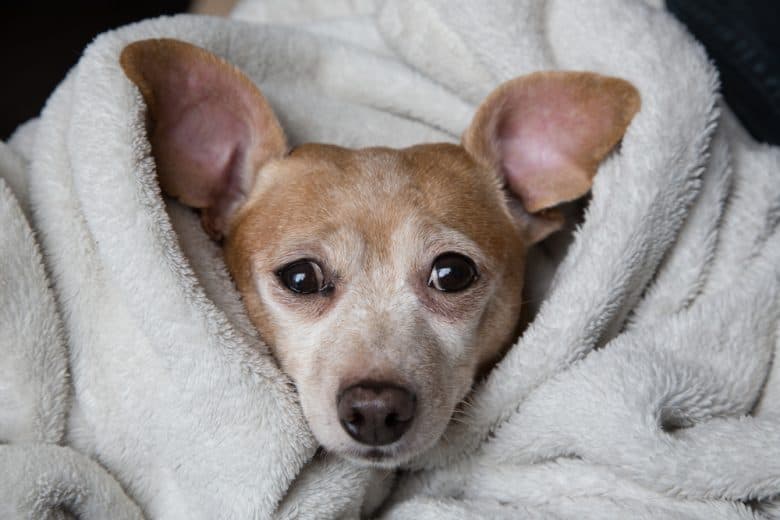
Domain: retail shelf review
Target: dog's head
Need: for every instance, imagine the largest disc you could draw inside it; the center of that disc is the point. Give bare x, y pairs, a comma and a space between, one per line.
382, 279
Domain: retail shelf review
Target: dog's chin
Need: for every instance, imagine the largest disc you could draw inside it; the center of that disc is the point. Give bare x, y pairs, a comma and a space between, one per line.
381, 457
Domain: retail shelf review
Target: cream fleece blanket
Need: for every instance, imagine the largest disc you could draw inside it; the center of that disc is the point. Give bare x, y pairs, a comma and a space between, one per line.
134, 386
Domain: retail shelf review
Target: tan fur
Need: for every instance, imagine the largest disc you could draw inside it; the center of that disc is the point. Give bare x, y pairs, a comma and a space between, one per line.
313, 193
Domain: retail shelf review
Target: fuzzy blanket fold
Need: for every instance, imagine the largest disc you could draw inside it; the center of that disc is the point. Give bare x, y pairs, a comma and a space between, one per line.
133, 385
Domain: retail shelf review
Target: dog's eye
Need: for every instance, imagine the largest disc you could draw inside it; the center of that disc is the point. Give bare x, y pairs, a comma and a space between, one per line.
452, 272
302, 277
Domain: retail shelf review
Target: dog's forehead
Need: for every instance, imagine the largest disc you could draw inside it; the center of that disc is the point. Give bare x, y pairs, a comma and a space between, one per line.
376, 190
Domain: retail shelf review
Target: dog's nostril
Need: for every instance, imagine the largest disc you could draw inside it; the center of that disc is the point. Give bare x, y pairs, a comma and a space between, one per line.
376, 413
353, 422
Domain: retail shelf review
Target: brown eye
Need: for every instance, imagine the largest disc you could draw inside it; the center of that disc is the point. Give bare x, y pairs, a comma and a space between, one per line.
302, 277
452, 272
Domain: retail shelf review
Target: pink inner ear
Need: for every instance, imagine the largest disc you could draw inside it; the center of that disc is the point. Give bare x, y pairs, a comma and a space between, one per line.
211, 129
205, 119
547, 132
549, 142
203, 146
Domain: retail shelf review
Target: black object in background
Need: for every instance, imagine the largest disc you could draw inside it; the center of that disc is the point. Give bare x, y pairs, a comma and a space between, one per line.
743, 39
41, 41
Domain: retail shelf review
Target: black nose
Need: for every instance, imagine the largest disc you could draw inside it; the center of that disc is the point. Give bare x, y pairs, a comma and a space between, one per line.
376, 413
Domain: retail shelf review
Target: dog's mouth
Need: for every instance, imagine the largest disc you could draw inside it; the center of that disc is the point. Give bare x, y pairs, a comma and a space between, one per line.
377, 457
389, 456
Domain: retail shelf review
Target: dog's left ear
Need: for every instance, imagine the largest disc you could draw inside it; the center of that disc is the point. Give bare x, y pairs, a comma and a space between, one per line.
210, 128
546, 134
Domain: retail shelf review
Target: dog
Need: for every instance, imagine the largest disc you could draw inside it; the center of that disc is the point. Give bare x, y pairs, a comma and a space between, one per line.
383, 280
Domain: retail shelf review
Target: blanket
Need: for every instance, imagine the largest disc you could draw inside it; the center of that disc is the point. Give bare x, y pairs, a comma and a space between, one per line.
133, 384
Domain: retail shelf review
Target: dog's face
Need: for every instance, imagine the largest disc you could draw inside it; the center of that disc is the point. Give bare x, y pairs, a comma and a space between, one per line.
382, 279
360, 270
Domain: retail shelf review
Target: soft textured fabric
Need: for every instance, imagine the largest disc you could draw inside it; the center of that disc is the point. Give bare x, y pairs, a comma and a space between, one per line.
643, 388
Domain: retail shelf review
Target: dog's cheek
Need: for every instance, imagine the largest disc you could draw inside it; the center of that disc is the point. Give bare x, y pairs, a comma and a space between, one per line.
297, 349
440, 375
311, 357
453, 353
457, 345
501, 326
318, 385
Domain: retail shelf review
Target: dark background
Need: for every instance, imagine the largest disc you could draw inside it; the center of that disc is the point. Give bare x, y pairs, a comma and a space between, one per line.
40, 41
743, 39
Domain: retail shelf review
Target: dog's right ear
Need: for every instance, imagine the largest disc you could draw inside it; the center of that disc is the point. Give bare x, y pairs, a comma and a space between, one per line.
210, 128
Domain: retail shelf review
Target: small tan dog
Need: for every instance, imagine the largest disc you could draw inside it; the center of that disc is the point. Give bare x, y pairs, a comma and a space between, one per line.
382, 279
